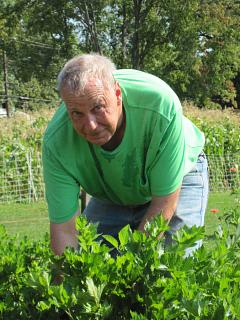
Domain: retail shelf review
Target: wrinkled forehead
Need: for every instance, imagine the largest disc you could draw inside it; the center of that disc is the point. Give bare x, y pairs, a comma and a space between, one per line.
94, 92
95, 84
91, 84
99, 85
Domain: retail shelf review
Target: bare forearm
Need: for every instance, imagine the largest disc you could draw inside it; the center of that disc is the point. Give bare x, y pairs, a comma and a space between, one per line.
152, 212
63, 235
63, 240
161, 205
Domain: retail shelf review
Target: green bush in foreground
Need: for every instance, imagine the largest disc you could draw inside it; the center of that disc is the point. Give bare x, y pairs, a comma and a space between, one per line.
144, 281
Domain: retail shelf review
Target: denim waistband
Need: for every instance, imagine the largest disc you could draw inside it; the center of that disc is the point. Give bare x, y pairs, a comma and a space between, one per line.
139, 206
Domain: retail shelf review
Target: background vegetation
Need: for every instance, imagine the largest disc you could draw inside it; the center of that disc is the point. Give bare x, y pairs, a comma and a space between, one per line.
193, 45
21, 140
221, 129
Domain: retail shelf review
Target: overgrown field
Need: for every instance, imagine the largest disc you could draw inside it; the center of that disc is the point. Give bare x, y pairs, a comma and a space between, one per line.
20, 152
221, 128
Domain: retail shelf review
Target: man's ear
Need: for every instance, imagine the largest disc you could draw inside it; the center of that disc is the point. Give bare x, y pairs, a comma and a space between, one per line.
118, 91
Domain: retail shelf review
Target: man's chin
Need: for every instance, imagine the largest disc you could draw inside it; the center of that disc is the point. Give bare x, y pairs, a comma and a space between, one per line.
99, 141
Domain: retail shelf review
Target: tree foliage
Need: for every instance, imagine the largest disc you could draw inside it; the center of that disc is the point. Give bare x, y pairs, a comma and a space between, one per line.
191, 44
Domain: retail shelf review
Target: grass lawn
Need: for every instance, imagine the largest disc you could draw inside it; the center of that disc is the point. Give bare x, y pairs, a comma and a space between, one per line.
223, 202
32, 219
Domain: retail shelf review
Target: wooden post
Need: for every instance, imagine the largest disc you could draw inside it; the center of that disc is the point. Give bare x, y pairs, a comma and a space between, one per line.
5, 79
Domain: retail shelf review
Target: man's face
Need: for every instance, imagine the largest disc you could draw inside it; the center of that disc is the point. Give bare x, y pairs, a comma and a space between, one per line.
96, 114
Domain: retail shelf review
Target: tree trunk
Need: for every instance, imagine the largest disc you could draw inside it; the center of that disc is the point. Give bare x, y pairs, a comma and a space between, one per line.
5, 79
123, 34
91, 24
135, 48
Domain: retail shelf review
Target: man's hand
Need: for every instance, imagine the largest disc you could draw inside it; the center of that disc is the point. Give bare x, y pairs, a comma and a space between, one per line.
166, 205
64, 235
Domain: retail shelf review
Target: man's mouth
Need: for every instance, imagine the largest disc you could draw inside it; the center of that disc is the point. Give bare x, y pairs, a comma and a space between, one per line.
95, 135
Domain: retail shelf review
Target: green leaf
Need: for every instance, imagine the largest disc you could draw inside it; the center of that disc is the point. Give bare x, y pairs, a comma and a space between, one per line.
111, 240
137, 316
187, 237
124, 235
63, 295
43, 306
95, 291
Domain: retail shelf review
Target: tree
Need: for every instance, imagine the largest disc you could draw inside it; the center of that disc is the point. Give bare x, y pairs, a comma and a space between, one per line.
89, 16
193, 45
220, 47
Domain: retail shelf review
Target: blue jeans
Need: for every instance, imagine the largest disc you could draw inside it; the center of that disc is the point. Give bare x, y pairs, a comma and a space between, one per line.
190, 210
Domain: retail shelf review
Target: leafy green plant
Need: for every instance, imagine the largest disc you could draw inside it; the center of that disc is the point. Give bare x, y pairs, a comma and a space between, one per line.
133, 277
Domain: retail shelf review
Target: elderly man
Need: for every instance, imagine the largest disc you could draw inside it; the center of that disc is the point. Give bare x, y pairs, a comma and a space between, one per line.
122, 137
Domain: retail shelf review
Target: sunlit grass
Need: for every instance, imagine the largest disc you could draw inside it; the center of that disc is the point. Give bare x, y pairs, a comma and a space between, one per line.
32, 219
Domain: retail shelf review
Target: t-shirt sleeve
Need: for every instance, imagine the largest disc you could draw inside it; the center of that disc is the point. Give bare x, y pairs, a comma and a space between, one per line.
61, 189
168, 168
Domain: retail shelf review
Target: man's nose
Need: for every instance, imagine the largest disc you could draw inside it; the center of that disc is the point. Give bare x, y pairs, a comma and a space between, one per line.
91, 122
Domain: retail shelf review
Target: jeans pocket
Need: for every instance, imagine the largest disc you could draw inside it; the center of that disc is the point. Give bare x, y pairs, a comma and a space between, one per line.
194, 169
197, 168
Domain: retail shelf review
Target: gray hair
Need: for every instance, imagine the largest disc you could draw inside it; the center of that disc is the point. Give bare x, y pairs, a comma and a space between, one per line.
79, 70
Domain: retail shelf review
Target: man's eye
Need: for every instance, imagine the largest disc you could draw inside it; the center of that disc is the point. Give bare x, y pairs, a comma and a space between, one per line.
76, 114
98, 107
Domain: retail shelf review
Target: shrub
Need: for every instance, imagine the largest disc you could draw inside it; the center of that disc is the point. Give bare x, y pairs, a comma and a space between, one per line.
146, 280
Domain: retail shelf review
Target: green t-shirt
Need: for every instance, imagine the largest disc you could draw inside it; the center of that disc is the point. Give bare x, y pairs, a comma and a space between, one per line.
158, 148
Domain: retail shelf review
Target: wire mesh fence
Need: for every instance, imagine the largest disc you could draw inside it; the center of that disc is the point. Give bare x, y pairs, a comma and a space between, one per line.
224, 172
21, 177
